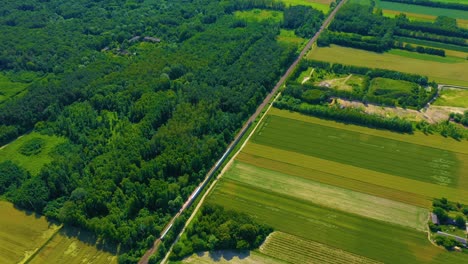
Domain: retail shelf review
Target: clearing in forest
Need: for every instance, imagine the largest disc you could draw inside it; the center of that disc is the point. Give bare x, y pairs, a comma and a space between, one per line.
322, 5
31, 151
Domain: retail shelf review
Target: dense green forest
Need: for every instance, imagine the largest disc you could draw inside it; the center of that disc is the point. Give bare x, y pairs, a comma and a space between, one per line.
365, 27
148, 94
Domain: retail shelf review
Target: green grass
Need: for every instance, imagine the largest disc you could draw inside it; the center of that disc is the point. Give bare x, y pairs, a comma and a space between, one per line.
454, 73
425, 10
427, 57
453, 97
32, 163
434, 44
290, 38
73, 247
260, 15
369, 152
322, 5
361, 2
21, 233
9, 88
392, 89
329, 196
355, 234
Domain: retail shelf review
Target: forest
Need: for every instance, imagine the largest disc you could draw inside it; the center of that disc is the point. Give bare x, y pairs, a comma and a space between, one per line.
359, 26
144, 118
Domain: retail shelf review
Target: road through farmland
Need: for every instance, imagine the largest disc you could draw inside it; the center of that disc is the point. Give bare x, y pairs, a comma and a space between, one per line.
248, 123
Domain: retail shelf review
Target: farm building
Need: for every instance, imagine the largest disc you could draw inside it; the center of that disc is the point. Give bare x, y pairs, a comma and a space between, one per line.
434, 219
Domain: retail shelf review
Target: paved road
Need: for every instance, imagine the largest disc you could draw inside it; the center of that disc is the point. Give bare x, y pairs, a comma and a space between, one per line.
153, 249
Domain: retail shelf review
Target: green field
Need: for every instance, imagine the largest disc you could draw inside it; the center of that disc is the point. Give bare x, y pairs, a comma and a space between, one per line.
21, 233
322, 5
259, 15
342, 193
427, 57
383, 155
453, 73
434, 44
351, 233
9, 88
390, 88
453, 97
307, 189
73, 247
425, 10
32, 163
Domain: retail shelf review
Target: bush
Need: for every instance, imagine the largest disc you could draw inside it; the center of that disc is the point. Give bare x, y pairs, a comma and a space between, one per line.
32, 147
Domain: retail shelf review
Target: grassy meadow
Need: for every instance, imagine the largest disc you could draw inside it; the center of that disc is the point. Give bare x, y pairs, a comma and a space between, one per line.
259, 15
34, 162
337, 193
288, 37
21, 233
453, 97
391, 88
446, 73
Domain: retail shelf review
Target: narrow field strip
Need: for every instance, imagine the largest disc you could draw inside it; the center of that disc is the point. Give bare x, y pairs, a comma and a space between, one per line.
433, 141
297, 250
330, 196
356, 173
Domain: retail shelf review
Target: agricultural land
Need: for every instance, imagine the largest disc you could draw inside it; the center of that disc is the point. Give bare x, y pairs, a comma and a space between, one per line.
298, 175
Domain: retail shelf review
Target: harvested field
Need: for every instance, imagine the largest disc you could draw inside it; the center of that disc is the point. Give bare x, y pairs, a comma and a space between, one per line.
294, 249
330, 196
21, 233
454, 74
73, 249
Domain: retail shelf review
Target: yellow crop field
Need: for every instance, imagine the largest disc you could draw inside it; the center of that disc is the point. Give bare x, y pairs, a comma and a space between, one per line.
21, 233
75, 248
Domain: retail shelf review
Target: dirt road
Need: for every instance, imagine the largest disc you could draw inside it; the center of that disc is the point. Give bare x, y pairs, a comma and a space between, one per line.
253, 117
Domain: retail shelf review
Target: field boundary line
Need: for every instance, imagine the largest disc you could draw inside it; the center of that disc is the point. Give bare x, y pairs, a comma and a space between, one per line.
28, 259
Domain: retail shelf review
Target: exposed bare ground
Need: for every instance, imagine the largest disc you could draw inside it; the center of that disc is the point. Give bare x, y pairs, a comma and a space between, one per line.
338, 83
433, 114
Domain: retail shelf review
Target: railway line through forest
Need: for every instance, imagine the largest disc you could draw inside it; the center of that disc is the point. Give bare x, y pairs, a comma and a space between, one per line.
237, 138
